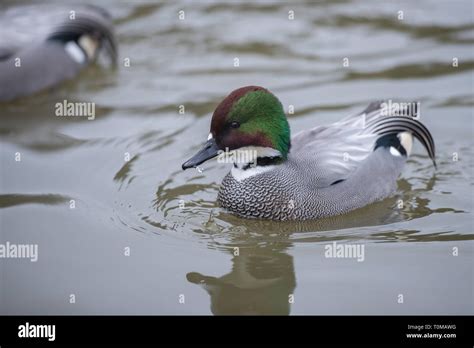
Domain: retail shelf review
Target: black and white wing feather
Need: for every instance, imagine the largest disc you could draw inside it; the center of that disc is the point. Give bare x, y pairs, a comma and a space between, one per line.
337, 150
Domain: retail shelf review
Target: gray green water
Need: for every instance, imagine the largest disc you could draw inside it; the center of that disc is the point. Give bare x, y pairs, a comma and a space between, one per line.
190, 251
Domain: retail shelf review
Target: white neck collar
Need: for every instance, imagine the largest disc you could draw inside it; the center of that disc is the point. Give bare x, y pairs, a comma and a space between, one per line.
245, 161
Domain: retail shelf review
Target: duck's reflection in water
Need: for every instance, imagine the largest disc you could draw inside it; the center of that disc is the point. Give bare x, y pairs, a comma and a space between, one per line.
262, 281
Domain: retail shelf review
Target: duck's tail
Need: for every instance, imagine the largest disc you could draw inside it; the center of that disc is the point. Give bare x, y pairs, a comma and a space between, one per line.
92, 20
398, 127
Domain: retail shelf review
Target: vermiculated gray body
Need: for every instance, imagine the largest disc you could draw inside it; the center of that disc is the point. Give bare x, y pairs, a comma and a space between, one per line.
330, 170
290, 193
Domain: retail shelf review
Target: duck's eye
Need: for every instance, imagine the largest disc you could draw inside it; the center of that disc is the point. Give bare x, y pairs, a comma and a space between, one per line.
235, 124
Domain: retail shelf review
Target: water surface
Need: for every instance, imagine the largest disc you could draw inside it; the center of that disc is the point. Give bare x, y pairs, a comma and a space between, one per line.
180, 241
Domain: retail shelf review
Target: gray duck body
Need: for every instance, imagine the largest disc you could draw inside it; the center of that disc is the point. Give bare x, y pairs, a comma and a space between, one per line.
330, 170
289, 193
39, 46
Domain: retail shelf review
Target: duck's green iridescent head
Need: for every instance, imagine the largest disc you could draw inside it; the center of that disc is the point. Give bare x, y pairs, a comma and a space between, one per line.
248, 117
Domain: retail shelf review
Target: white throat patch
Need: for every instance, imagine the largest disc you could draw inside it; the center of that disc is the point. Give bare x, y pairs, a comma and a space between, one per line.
241, 174
238, 171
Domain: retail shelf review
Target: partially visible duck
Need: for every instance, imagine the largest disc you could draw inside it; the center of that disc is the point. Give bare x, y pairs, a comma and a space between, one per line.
71, 43
325, 171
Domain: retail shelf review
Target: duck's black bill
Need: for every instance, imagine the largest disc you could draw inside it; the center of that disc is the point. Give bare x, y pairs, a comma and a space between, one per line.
210, 150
